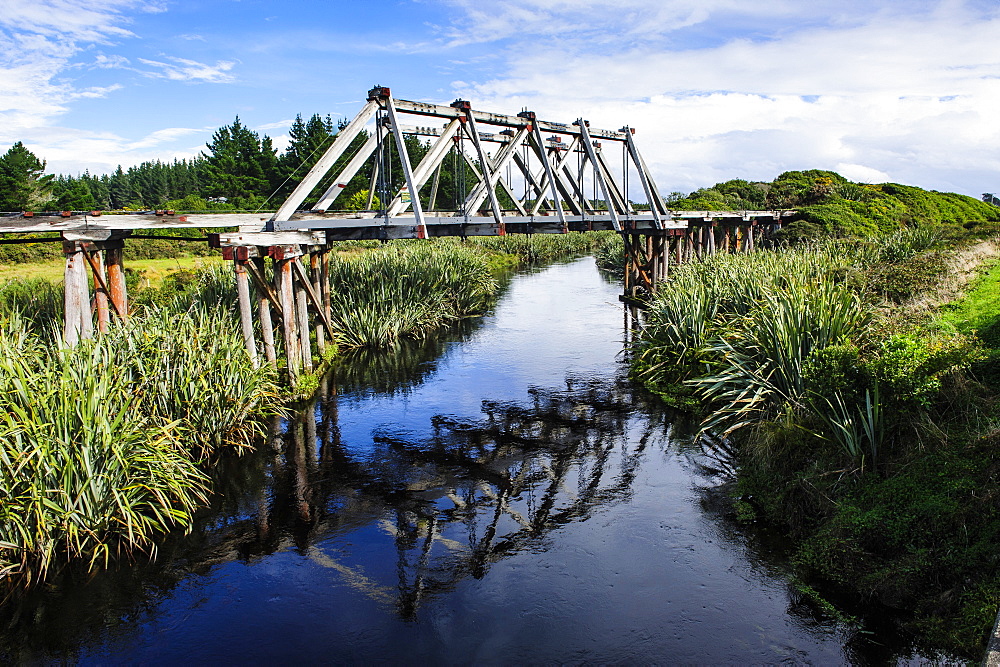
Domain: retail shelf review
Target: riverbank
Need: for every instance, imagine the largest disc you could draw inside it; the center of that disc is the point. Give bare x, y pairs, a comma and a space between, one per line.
497, 488
858, 418
146, 406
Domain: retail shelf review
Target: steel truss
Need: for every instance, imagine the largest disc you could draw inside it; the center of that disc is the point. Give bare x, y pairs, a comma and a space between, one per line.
543, 167
553, 177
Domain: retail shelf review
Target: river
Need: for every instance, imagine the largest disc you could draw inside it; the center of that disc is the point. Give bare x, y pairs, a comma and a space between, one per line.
501, 494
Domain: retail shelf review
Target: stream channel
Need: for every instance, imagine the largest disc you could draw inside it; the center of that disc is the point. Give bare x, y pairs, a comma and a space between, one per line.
499, 494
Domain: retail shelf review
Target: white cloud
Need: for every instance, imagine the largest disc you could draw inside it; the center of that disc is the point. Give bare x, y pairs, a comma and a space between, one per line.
182, 69
862, 174
277, 125
612, 22
42, 43
907, 97
102, 61
75, 20
166, 135
38, 39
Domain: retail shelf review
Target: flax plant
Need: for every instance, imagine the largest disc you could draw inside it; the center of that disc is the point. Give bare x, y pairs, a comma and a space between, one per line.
761, 356
192, 368
85, 472
407, 291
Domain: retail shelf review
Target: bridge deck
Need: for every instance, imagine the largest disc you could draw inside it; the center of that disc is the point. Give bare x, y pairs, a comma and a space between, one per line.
341, 226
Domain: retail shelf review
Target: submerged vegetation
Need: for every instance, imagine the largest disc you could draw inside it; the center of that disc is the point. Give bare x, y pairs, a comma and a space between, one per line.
864, 427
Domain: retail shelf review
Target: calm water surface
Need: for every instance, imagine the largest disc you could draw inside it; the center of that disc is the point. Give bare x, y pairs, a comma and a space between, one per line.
499, 496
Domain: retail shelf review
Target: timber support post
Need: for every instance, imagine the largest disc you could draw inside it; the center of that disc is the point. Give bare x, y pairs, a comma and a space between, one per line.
115, 271
264, 298
283, 257
79, 323
241, 257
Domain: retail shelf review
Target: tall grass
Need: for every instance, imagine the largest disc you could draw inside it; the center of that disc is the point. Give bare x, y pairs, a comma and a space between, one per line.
100, 443
738, 330
536, 248
406, 291
760, 356
192, 368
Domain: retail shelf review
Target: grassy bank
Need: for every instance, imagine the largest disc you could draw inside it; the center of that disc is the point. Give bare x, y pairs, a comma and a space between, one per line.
857, 424
102, 445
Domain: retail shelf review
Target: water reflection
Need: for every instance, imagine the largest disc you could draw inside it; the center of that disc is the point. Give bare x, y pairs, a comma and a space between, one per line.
399, 516
469, 494
400, 369
441, 508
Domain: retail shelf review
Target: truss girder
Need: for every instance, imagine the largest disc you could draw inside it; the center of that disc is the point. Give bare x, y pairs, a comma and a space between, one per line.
496, 167
656, 205
348, 173
588, 146
428, 165
550, 177
404, 159
340, 144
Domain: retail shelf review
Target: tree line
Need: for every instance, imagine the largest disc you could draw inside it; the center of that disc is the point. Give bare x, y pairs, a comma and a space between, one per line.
238, 170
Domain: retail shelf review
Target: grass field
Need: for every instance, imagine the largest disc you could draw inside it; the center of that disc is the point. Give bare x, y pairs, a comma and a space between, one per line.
979, 310
153, 271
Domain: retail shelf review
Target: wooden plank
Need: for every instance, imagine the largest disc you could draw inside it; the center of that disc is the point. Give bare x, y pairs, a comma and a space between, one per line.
266, 239
100, 284
256, 271
289, 328
313, 296
72, 302
314, 272
86, 228
302, 313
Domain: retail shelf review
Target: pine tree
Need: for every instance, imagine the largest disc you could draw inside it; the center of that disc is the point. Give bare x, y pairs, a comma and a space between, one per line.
23, 187
308, 141
76, 196
238, 165
120, 189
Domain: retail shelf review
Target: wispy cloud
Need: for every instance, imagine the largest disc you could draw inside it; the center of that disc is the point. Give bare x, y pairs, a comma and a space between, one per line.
45, 43
38, 39
182, 69
880, 92
78, 20
608, 21
276, 125
164, 136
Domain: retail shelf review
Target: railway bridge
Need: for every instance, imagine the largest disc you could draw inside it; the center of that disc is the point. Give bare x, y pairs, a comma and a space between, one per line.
553, 178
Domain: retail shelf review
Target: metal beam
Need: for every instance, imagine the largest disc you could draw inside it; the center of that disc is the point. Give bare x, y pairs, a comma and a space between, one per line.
588, 146
496, 169
653, 198
487, 175
432, 161
348, 172
404, 158
340, 144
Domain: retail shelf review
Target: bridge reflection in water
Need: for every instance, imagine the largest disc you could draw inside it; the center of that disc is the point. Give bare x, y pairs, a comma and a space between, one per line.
400, 516
469, 494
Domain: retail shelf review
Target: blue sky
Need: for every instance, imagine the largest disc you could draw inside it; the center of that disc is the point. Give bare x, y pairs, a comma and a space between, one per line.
717, 89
